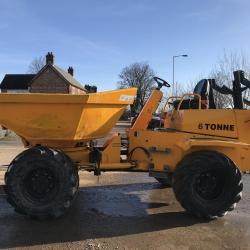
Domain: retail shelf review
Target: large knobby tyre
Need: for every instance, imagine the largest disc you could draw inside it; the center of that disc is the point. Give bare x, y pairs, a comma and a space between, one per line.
41, 183
207, 184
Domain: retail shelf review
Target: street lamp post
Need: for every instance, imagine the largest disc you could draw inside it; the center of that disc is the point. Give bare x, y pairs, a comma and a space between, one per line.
173, 74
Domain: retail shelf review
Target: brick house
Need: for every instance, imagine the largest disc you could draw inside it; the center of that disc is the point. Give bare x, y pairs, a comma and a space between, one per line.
50, 79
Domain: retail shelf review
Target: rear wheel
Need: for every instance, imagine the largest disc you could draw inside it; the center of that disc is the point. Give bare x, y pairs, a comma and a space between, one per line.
41, 183
207, 184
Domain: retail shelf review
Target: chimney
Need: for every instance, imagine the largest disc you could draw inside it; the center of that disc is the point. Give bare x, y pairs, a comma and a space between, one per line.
71, 70
50, 58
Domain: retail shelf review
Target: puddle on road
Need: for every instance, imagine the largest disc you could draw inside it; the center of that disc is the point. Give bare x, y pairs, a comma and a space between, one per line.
123, 200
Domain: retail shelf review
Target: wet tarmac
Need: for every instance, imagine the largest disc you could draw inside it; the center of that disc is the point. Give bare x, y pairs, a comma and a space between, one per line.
126, 211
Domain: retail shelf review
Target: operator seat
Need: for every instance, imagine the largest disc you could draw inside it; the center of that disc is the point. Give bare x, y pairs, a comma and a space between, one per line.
204, 89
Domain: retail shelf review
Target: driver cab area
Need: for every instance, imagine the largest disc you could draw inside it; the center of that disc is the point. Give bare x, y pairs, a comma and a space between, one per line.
202, 97
203, 91
193, 111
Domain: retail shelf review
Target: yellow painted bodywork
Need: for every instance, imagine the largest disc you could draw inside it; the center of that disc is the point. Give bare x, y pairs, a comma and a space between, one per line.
200, 121
63, 120
167, 149
79, 155
221, 130
111, 151
110, 155
149, 108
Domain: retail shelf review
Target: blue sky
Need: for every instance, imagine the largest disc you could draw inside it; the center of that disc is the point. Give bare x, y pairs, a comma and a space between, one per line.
100, 37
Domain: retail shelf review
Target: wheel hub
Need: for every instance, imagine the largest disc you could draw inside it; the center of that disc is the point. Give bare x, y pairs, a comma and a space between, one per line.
209, 185
39, 183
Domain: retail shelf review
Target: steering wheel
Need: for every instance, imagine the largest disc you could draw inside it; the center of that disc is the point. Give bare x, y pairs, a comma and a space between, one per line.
161, 82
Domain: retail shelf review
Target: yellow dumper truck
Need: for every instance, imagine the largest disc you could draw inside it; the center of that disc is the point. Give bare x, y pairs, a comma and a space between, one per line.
200, 150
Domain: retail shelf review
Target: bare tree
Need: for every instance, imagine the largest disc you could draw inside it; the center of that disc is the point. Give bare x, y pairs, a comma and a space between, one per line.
139, 75
223, 74
36, 65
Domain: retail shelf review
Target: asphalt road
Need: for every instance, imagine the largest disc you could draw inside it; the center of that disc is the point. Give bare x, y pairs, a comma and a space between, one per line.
122, 211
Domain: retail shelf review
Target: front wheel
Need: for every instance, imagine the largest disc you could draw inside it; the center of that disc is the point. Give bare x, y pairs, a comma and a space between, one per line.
42, 183
207, 184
